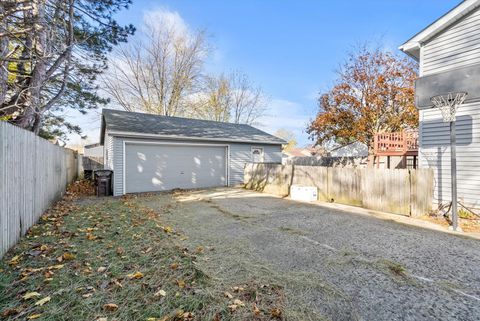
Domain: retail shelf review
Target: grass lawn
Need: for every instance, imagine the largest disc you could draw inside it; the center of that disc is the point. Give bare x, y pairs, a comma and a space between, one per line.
114, 259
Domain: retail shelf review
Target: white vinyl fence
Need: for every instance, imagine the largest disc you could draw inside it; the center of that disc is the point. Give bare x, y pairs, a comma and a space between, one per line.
33, 174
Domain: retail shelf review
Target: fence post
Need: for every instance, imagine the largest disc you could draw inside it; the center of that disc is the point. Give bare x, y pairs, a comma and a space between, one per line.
79, 165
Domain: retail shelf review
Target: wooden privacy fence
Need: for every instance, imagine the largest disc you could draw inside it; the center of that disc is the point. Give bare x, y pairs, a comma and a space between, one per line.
33, 174
401, 191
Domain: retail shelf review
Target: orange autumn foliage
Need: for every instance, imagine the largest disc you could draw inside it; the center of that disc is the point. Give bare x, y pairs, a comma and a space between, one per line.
374, 93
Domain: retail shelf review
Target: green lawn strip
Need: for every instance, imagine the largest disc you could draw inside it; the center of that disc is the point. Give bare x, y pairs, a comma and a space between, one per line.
81, 259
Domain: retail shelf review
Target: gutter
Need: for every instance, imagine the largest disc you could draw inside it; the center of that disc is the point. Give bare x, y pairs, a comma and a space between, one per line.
174, 137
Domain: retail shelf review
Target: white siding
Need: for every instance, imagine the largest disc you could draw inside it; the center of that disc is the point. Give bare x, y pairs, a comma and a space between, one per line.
435, 152
96, 151
108, 151
457, 46
240, 154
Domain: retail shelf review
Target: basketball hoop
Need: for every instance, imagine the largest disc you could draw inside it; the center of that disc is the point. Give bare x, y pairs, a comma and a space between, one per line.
448, 104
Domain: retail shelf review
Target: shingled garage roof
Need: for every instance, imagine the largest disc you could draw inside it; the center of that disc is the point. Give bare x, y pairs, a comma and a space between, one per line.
124, 123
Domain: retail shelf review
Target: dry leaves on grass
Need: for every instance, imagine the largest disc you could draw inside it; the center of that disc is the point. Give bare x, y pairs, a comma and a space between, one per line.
160, 293
136, 275
34, 316
111, 307
31, 295
43, 301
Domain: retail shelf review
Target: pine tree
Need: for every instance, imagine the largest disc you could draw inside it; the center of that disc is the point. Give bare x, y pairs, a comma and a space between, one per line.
51, 53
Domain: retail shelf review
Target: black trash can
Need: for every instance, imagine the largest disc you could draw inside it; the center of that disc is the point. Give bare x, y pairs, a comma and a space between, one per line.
103, 182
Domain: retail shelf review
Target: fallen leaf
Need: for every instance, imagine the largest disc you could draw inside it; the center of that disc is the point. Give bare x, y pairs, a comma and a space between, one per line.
233, 307
56, 267
117, 283
187, 316
44, 248
48, 274
159, 319
120, 250
180, 283
30, 295
168, 229
238, 289
43, 301
148, 250
276, 313
136, 275
160, 293
256, 310
14, 260
101, 269
174, 266
228, 295
34, 316
102, 319
68, 256
9, 312
87, 295
238, 302
91, 237
110, 307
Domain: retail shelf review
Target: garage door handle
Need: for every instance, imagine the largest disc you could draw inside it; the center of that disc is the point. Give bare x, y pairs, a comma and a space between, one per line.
181, 173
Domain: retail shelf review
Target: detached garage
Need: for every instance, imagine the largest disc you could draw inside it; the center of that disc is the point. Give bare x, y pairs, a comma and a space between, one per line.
150, 153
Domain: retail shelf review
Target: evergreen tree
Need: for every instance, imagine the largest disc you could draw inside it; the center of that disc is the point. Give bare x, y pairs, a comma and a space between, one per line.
51, 53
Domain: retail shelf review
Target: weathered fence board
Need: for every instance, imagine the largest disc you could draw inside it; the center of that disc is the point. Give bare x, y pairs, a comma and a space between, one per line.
313, 176
386, 190
400, 191
269, 178
33, 174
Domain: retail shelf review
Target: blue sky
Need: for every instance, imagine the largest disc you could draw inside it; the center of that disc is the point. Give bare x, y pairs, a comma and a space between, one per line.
290, 47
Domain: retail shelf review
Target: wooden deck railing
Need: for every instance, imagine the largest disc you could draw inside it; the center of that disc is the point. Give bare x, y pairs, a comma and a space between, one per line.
396, 144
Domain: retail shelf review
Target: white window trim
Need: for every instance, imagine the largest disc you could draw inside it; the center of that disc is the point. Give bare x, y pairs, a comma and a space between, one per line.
141, 142
257, 147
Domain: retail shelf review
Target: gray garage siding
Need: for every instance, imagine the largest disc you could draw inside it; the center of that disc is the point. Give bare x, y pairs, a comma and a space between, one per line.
240, 153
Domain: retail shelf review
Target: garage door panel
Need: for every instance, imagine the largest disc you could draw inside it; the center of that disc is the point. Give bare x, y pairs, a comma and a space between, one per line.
163, 167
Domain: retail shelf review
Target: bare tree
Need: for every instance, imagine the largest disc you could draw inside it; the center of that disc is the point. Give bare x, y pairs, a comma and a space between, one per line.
158, 71
288, 136
232, 98
248, 100
213, 102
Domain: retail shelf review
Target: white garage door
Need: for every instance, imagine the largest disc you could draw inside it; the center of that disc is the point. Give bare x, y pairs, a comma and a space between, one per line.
154, 167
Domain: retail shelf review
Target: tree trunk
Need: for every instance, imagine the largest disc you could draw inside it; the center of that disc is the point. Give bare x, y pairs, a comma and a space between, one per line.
33, 99
3, 55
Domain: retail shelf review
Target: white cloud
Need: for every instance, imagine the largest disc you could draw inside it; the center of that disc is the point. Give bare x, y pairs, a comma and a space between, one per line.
162, 19
288, 115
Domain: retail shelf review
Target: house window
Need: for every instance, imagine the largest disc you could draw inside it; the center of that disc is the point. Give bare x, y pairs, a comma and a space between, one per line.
257, 155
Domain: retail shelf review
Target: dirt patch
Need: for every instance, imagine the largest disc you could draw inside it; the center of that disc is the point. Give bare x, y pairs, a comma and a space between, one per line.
470, 224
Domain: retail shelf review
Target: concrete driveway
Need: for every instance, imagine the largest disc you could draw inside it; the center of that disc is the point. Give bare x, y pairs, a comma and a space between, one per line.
333, 264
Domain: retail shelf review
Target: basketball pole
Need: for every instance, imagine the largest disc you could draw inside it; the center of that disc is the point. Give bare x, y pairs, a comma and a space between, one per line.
453, 174
448, 104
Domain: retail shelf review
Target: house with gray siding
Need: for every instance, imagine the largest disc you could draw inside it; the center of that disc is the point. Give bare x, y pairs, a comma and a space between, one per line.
155, 153
448, 52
